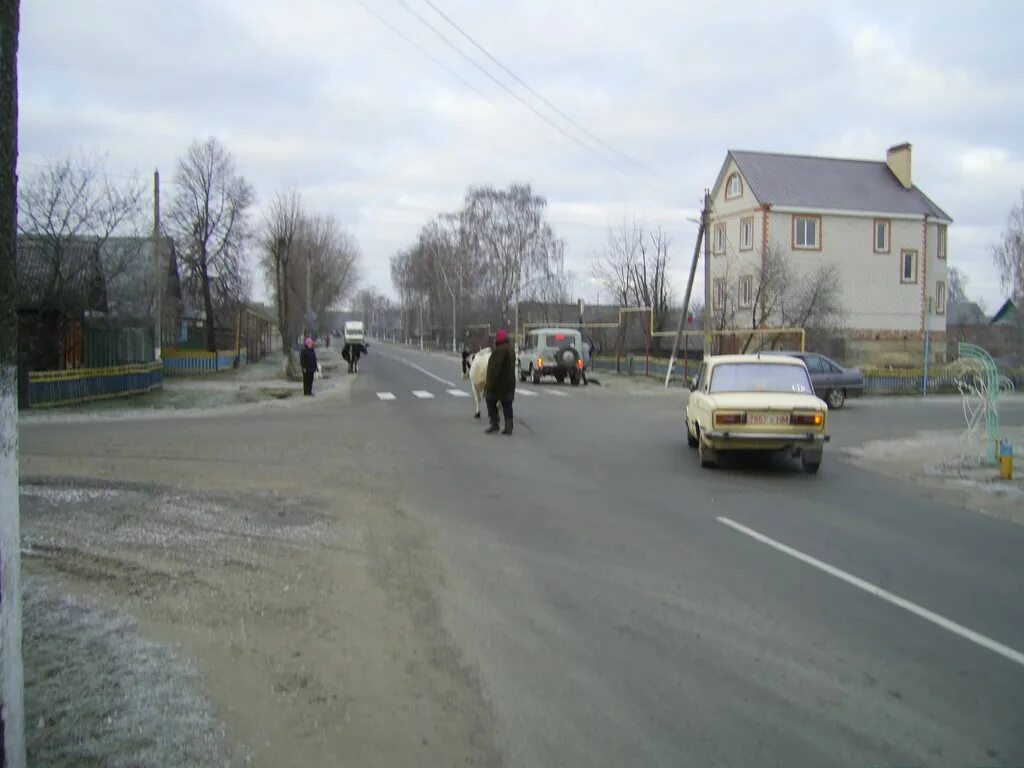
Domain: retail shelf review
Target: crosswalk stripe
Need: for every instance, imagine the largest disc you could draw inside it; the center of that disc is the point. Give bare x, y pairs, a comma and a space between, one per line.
556, 393
458, 393
526, 393
422, 394
385, 396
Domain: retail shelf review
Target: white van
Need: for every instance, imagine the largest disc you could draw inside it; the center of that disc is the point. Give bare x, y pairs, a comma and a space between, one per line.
354, 333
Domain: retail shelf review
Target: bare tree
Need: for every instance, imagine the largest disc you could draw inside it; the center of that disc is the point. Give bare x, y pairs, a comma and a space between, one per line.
281, 224
333, 262
71, 204
612, 267
1009, 254
12, 713
956, 286
209, 218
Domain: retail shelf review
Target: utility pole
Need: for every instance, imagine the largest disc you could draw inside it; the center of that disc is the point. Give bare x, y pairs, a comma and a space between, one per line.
12, 670
705, 224
161, 269
421, 325
451, 290
686, 299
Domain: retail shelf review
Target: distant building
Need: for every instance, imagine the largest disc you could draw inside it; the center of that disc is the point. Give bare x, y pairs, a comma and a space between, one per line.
865, 219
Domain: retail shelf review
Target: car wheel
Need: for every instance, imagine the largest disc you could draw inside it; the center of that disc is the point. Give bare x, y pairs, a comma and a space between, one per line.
835, 398
522, 373
708, 458
811, 462
690, 439
535, 374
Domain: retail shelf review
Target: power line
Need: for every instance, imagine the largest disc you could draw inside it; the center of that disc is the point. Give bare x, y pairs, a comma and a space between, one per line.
574, 139
424, 51
526, 85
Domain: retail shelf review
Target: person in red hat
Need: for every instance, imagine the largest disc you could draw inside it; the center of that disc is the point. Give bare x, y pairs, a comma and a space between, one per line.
307, 361
500, 386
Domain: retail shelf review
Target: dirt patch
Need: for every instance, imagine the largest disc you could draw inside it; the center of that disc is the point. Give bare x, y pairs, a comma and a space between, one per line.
942, 459
98, 694
311, 622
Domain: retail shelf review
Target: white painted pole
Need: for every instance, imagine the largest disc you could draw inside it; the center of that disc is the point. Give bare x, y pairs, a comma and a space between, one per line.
12, 671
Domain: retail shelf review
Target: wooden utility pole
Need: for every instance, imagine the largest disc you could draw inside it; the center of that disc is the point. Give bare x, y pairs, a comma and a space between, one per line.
12, 673
160, 267
705, 223
701, 236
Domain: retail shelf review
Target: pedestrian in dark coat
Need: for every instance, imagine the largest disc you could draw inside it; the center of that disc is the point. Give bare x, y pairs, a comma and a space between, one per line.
307, 361
500, 386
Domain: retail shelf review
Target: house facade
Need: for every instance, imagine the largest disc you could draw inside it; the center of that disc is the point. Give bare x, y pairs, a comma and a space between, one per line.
864, 221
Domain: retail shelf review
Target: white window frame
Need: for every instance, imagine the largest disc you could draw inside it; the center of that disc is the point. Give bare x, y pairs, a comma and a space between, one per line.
887, 224
729, 193
941, 237
816, 245
940, 297
746, 291
718, 244
718, 293
903, 263
747, 228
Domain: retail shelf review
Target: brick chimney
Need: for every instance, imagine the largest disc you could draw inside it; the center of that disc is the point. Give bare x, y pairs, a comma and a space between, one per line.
898, 160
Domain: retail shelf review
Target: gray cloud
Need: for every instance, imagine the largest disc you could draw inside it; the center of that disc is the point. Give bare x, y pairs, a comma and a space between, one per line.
320, 96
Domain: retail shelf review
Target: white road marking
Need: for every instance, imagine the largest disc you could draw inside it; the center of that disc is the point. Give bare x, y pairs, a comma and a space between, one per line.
526, 393
422, 394
556, 393
458, 393
889, 597
385, 396
419, 368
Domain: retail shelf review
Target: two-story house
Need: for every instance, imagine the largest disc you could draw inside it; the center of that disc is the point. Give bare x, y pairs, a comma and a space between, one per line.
885, 239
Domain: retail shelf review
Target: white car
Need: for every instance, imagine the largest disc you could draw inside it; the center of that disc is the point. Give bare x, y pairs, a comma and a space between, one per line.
558, 352
756, 402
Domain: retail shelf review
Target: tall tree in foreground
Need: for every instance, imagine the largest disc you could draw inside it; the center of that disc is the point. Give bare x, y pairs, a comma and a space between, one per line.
12, 733
209, 219
281, 227
1009, 254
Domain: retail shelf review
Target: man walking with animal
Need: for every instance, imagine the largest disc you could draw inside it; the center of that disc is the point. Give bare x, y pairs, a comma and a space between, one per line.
500, 385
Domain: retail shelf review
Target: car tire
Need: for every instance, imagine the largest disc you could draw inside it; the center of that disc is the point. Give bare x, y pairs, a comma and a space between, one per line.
691, 441
811, 463
522, 374
835, 398
708, 457
535, 375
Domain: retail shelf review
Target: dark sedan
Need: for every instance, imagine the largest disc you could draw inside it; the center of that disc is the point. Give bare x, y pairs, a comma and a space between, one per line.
832, 382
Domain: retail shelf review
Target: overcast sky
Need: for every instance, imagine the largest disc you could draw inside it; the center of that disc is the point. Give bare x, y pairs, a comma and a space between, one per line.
324, 97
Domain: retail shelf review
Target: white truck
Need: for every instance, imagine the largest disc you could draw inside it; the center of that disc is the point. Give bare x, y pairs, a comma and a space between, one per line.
354, 333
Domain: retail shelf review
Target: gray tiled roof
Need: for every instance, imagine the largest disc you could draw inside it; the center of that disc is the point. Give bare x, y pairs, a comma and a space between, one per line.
828, 183
71, 282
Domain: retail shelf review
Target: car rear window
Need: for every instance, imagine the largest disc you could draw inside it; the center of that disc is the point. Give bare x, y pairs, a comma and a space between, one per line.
558, 340
759, 377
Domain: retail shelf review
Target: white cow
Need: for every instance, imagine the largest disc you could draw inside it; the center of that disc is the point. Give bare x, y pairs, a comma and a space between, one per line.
478, 376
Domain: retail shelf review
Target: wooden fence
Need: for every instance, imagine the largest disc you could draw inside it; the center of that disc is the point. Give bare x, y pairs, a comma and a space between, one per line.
50, 389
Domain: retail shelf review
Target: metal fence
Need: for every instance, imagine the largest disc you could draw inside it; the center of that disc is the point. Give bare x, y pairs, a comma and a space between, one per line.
50, 389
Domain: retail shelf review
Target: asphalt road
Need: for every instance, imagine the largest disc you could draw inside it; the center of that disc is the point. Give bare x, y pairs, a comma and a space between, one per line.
622, 606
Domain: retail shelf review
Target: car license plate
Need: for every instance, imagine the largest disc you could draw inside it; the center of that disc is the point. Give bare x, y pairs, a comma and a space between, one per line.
768, 418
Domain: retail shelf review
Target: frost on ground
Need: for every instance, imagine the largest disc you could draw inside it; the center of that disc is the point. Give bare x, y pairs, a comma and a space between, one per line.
97, 694
954, 462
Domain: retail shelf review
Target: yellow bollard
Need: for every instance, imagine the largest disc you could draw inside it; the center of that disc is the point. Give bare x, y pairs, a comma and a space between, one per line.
1006, 460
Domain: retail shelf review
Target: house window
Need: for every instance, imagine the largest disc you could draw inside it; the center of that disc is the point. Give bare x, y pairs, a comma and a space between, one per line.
805, 232
940, 298
746, 291
734, 187
719, 244
747, 234
908, 266
718, 295
941, 249
882, 229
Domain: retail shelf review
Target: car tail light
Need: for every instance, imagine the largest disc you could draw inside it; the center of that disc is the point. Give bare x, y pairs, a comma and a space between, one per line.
808, 419
579, 364
730, 418
540, 362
